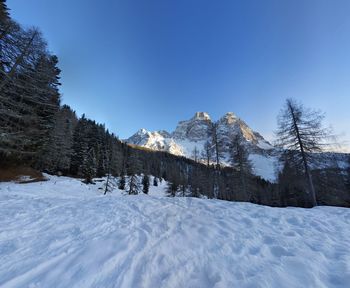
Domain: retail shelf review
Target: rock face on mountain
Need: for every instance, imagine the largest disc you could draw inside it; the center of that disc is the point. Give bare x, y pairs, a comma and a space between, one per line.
230, 125
194, 133
195, 129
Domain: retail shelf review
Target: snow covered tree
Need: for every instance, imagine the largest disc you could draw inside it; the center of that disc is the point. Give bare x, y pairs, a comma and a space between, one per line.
145, 184
110, 184
134, 185
301, 130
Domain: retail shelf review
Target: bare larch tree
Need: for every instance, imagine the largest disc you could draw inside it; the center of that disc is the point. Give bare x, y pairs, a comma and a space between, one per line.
300, 130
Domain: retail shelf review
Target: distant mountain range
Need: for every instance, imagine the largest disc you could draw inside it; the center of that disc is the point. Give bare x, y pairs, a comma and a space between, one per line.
192, 134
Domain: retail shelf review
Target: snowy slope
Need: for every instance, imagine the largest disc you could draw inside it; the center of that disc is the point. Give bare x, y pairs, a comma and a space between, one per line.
63, 233
194, 133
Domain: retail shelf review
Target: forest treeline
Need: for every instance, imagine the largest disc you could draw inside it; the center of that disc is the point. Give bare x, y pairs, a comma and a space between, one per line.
37, 131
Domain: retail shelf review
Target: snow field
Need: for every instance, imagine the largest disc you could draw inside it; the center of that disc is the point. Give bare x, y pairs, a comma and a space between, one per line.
62, 233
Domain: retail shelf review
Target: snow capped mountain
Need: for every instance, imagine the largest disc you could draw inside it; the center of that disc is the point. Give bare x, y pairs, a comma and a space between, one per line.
157, 140
230, 125
194, 133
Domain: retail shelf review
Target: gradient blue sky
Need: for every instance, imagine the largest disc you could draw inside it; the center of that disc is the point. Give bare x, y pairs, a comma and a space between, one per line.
134, 64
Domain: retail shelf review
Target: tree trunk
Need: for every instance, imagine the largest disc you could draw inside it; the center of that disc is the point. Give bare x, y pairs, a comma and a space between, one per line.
303, 155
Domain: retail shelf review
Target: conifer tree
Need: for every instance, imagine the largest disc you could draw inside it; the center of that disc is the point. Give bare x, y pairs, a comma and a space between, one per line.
133, 185
121, 182
80, 146
145, 184
155, 181
89, 166
348, 175
195, 181
172, 188
28, 92
239, 155
301, 130
4, 14
56, 153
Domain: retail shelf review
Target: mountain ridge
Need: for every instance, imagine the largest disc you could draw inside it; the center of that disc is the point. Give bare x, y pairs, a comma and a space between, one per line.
192, 134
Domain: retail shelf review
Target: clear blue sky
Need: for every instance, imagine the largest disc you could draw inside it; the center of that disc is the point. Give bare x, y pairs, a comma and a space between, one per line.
134, 64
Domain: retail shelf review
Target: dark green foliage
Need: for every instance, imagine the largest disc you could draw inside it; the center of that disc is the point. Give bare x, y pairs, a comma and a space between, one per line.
331, 187
89, 166
240, 155
155, 181
331, 184
197, 183
291, 181
121, 182
241, 163
145, 184
79, 147
29, 81
56, 153
172, 188
347, 180
4, 14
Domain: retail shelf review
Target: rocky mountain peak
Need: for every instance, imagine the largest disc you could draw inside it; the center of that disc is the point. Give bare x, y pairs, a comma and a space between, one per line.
194, 133
195, 129
201, 116
142, 131
228, 119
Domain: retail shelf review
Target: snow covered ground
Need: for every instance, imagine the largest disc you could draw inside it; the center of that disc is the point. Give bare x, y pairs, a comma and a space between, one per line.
62, 233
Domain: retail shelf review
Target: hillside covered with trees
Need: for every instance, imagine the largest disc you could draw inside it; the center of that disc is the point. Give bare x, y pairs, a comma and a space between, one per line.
36, 130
